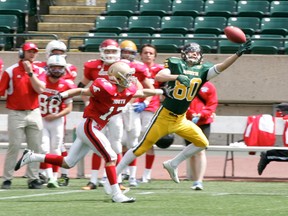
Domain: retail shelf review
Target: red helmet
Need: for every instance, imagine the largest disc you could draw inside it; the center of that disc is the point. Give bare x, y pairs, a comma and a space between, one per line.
109, 51
29, 46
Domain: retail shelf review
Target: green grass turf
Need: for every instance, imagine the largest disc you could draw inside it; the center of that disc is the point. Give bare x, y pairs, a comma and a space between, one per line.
157, 198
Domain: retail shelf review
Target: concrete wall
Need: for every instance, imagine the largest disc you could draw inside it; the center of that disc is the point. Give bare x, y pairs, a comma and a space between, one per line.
252, 85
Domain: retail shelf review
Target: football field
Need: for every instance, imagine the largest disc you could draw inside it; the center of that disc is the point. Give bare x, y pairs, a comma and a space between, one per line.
156, 198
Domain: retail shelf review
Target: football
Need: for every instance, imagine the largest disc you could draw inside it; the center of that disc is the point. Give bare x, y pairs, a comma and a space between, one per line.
235, 34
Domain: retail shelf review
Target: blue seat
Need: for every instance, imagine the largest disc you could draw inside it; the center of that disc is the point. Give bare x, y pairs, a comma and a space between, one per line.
167, 45
92, 44
268, 46
155, 7
121, 8
209, 24
226, 46
138, 41
188, 8
249, 25
279, 8
8, 23
144, 24
114, 24
274, 25
209, 44
224, 8
177, 24
253, 8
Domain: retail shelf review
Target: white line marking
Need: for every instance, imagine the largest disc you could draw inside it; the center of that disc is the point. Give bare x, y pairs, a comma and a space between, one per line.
38, 195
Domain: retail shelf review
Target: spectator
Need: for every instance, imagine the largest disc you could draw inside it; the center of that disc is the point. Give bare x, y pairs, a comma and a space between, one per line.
53, 114
185, 76
202, 112
23, 87
107, 98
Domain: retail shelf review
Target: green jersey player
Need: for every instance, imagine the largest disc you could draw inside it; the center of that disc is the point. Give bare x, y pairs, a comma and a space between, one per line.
184, 76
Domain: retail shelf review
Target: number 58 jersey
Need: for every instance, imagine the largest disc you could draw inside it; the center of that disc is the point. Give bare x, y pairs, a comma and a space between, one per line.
107, 101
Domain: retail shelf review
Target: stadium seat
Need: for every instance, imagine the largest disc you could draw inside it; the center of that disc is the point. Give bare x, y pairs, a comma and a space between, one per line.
208, 45
155, 7
187, 8
271, 46
279, 8
249, 25
286, 45
167, 45
121, 8
114, 24
8, 23
253, 8
20, 8
208, 24
92, 44
224, 8
274, 25
177, 24
138, 41
145, 24
226, 46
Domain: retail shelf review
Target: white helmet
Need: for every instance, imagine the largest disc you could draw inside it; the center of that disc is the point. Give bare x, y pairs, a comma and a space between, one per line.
109, 58
56, 60
121, 74
55, 45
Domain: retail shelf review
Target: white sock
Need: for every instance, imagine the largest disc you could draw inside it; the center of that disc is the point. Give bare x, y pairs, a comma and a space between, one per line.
37, 157
132, 170
187, 152
126, 160
94, 176
147, 174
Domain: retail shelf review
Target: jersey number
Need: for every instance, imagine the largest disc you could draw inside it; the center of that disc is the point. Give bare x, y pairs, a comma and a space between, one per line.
106, 116
182, 92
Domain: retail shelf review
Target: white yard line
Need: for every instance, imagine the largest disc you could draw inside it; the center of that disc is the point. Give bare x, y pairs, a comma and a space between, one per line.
39, 195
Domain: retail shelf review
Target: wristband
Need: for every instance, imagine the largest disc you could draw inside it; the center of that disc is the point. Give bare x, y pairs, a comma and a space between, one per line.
64, 94
159, 91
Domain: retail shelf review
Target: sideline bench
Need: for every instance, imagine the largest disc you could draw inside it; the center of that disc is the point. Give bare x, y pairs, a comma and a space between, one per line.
228, 125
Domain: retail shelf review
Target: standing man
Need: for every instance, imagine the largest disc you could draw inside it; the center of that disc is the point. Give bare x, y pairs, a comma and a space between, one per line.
185, 76
202, 112
23, 87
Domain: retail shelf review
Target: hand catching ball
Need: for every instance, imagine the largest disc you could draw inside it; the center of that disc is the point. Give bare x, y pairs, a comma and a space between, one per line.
235, 34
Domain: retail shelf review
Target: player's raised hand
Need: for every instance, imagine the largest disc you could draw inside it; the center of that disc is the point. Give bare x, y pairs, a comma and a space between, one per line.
57, 97
184, 80
243, 48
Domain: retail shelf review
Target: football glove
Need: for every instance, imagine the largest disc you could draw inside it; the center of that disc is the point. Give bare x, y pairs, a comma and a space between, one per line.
139, 107
166, 92
184, 80
195, 119
57, 97
243, 48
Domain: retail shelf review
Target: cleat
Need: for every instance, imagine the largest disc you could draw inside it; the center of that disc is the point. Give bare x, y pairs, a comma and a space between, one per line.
43, 179
125, 177
172, 172
25, 159
35, 184
262, 163
6, 185
133, 182
90, 186
63, 180
197, 186
123, 188
52, 184
121, 198
145, 180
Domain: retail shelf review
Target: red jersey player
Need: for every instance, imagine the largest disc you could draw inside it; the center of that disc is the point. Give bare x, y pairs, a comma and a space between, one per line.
107, 98
53, 113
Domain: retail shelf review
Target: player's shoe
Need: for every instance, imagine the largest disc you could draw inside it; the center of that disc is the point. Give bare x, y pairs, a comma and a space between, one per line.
145, 180
172, 172
43, 179
25, 159
197, 185
262, 163
102, 181
123, 188
133, 182
121, 198
125, 176
90, 186
63, 180
52, 184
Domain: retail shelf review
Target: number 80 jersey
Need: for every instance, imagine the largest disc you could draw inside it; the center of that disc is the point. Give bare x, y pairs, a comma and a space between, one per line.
182, 95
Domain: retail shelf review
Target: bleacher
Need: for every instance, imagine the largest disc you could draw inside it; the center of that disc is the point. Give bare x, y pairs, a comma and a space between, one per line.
176, 22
